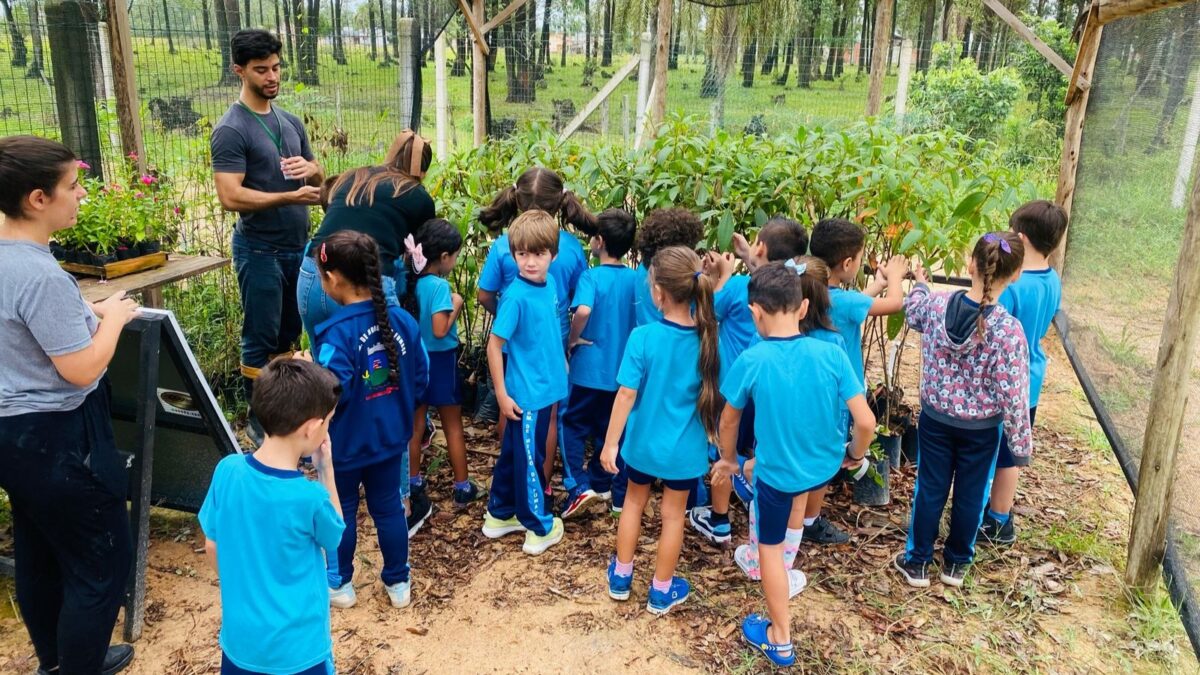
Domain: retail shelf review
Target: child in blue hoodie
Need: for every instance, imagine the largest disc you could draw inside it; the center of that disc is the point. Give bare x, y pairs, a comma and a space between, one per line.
375, 351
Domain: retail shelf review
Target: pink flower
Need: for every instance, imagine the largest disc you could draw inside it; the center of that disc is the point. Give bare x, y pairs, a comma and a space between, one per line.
147, 180
138, 195
84, 165
178, 210
133, 156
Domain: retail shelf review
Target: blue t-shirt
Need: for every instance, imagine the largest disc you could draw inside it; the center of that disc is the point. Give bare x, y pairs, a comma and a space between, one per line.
848, 310
272, 529
1034, 299
796, 450
609, 290
736, 324
500, 270
433, 296
646, 311
536, 376
664, 436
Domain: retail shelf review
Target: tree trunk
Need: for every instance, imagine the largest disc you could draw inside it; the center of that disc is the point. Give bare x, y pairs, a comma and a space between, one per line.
749, 59
339, 49
984, 57
772, 57
563, 59
724, 50
167, 25
587, 31
787, 60
306, 16
204, 12
839, 60
520, 55
229, 21
925, 37
673, 59
35, 35
74, 89
544, 49
374, 44
606, 55
289, 36
395, 29
19, 54
966, 39
835, 39
947, 5
383, 41
153, 24
865, 39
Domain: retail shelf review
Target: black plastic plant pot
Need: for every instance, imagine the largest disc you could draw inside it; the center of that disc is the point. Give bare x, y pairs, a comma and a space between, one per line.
125, 253
891, 448
908, 445
57, 251
149, 247
71, 255
874, 489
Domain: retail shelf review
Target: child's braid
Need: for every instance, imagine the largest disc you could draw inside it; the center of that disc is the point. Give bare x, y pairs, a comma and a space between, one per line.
386, 335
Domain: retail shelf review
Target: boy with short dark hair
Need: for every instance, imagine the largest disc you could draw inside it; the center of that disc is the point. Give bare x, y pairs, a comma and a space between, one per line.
839, 243
274, 597
604, 317
528, 387
1033, 299
779, 239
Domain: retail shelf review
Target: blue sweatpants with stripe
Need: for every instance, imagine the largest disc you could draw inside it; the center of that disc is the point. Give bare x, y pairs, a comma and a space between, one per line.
950, 455
518, 488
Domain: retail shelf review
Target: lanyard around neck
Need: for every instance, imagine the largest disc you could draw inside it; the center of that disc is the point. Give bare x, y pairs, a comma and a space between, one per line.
276, 138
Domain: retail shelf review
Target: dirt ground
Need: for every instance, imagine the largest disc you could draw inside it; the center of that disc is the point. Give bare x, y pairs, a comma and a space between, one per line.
1054, 602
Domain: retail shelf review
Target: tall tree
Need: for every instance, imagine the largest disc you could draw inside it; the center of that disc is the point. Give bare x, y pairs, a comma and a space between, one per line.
563, 62
246, 12
724, 49
520, 54
289, 33
229, 21
1187, 33
339, 49
966, 39
306, 14
835, 39
866, 38
371, 20
587, 31
606, 55
387, 55
544, 45
948, 5
35, 35
19, 54
395, 29
806, 43
772, 58
790, 55
676, 32
204, 12
749, 60
925, 35
167, 25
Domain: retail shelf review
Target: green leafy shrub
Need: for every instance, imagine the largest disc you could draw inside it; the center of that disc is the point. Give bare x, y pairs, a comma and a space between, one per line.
140, 207
955, 94
1046, 86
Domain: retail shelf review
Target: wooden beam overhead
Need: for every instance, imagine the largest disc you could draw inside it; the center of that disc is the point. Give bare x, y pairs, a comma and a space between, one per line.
1111, 10
476, 30
1028, 35
502, 15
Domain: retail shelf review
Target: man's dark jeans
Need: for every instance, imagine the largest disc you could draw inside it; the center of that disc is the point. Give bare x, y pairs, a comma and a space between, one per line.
267, 281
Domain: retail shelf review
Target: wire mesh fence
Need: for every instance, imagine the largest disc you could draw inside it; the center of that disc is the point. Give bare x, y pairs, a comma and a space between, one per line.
1136, 169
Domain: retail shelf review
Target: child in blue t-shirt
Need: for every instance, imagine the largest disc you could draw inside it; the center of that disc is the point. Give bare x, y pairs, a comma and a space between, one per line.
274, 606
659, 229
600, 327
668, 397
1033, 299
839, 243
374, 349
528, 386
795, 454
429, 256
779, 239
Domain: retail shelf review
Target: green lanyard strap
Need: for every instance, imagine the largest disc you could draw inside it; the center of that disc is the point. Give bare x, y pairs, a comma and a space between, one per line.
277, 139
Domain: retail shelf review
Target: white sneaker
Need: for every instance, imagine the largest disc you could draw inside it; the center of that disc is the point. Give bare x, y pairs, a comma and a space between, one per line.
537, 545
796, 583
741, 555
343, 597
606, 496
400, 593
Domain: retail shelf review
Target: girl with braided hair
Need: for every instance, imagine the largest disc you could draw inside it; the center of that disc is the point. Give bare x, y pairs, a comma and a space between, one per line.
974, 387
375, 350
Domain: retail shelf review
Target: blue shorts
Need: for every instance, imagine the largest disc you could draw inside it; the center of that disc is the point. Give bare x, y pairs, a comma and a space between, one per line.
229, 668
774, 508
745, 437
638, 478
443, 386
1005, 459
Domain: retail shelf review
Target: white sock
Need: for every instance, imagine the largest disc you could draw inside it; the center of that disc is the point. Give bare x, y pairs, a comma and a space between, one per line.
809, 521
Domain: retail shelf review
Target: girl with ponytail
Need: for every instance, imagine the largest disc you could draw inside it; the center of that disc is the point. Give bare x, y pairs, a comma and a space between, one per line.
974, 387
429, 256
668, 396
374, 348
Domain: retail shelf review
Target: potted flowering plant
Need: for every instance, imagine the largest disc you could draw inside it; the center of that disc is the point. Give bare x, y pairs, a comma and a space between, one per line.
120, 221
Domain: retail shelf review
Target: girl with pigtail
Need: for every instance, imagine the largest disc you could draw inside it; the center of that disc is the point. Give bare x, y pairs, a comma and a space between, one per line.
429, 256
666, 409
374, 348
974, 385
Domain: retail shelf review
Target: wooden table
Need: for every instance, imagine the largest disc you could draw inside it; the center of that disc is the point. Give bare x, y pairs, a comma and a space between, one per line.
149, 283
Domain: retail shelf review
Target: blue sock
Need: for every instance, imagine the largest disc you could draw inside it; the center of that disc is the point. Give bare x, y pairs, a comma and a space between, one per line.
416, 481
465, 485
1001, 518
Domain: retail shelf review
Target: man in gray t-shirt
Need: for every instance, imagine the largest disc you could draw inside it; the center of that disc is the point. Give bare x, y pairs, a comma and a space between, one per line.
264, 170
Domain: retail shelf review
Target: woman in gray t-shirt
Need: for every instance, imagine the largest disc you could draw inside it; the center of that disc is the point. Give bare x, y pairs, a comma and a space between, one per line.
64, 480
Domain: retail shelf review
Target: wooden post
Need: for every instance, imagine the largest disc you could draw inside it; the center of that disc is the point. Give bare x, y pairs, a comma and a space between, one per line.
405, 75
600, 97
1188, 155
125, 82
904, 78
643, 95
1077, 100
883, 45
479, 80
1168, 402
442, 114
658, 106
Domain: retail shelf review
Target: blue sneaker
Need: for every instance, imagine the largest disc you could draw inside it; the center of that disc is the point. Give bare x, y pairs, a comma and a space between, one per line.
701, 519
661, 602
742, 489
618, 586
754, 631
